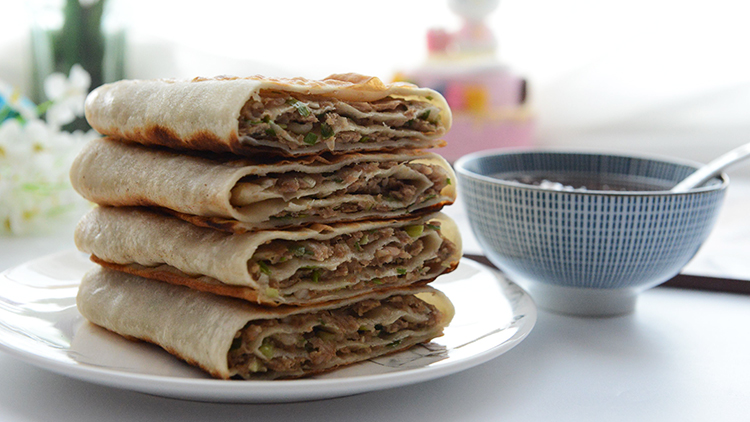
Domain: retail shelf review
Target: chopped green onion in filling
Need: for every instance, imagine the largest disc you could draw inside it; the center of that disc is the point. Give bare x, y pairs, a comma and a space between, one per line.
394, 343
311, 138
298, 250
266, 349
264, 268
428, 197
315, 277
301, 107
326, 131
415, 230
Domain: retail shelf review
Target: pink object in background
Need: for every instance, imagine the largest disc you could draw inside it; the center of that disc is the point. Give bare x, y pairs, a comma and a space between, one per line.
438, 40
487, 99
454, 95
470, 134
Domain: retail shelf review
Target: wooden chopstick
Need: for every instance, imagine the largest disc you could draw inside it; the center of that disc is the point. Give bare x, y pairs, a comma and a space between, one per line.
680, 281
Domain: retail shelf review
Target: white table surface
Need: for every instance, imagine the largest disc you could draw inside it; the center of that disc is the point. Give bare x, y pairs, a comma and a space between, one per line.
682, 356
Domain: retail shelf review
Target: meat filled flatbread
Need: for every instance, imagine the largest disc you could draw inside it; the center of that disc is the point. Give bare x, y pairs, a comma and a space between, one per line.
245, 195
302, 266
230, 338
291, 117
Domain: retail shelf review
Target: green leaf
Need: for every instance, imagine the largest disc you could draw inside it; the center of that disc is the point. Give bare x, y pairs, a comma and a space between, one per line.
5, 112
43, 107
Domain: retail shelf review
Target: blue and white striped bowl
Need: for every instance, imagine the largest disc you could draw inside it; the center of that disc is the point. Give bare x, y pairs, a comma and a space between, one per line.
586, 252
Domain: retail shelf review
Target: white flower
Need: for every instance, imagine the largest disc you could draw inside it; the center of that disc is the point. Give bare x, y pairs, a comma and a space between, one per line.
17, 102
67, 95
35, 155
35, 159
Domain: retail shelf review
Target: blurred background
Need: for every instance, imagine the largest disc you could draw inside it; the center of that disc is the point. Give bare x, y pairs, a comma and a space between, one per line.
664, 76
645, 76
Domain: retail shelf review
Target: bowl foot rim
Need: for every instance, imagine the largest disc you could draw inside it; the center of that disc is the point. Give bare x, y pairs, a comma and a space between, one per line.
583, 302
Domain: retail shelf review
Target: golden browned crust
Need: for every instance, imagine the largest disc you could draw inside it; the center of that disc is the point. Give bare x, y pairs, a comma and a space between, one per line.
144, 111
174, 276
172, 351
207, 284
216, 374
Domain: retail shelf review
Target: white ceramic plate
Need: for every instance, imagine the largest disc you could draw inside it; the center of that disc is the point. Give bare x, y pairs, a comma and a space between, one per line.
39, 324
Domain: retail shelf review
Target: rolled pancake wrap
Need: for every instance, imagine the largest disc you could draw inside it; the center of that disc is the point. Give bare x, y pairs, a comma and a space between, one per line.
245, 194
291, 117
302, 266
233, 338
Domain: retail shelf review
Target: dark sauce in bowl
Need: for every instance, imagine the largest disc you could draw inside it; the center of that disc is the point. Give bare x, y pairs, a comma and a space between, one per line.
588, 181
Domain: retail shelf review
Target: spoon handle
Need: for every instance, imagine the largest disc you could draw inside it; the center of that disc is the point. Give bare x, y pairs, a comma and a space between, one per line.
712, 169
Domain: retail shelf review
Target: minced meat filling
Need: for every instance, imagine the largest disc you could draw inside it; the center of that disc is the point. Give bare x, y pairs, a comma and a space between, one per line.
387, 266
300, 121
390, 192
309, 342
401, 247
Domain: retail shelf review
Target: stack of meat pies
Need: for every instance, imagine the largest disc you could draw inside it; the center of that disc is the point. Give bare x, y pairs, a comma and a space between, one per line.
267, 228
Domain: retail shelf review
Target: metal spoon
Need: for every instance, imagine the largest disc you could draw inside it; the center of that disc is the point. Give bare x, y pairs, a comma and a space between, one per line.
712, 169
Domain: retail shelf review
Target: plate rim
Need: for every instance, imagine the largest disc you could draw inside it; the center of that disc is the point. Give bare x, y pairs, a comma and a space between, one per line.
276, 391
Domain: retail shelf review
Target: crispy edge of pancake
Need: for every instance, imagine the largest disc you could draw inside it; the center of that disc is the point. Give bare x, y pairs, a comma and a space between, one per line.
234, 226
437, 299
118, 110
168, 274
